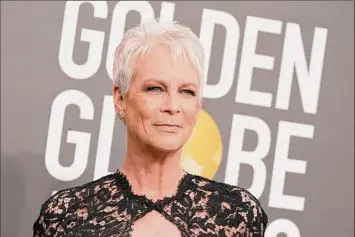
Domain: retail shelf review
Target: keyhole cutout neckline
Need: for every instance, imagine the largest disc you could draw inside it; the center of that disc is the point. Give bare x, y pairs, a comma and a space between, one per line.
182, 186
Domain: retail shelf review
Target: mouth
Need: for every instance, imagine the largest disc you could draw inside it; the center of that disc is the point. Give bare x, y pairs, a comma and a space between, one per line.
167, 125
168, 128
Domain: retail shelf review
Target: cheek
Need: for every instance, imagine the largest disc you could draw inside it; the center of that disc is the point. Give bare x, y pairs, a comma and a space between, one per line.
191, 113
143, 108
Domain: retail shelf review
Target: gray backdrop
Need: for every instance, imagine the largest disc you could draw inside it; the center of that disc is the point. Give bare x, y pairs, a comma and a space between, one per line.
286, 116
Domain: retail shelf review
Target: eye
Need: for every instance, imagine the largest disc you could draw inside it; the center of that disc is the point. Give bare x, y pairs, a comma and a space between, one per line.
153, 89
189, 92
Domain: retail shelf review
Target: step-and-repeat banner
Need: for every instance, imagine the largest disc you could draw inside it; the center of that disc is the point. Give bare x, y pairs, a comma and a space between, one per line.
277, 119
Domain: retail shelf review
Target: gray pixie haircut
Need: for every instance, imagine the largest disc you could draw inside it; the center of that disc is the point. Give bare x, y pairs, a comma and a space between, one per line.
143, 38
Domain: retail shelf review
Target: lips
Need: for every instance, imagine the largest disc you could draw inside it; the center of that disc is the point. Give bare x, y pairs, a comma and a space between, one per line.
169, 128
167, 125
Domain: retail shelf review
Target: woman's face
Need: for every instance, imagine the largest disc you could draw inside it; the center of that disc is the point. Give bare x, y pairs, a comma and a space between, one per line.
162, 105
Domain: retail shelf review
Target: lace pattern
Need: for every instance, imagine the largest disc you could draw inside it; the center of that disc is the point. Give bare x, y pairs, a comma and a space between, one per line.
108, 207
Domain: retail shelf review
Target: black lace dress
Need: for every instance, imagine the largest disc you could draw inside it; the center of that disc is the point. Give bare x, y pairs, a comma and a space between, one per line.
108, 207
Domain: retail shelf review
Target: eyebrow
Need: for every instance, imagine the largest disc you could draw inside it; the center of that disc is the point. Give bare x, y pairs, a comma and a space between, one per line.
187, 84
162, 81
154, 79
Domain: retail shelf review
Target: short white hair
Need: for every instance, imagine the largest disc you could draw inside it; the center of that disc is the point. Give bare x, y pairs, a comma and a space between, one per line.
141, 39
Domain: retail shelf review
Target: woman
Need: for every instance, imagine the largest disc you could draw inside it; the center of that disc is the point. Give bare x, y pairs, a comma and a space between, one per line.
158, 80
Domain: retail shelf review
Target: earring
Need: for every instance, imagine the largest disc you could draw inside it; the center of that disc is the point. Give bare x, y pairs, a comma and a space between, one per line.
119, 116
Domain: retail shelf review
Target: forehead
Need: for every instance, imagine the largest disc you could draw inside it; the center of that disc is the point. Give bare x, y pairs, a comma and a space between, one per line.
161, 64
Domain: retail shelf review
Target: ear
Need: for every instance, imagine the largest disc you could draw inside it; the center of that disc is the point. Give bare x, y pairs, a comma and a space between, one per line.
201, 102
118, 99
199, 108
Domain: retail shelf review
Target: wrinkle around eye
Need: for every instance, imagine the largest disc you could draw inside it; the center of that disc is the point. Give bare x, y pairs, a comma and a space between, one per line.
153, 89
190, 92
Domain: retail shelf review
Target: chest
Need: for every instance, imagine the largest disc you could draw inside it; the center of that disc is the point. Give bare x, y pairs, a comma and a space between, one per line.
154, 224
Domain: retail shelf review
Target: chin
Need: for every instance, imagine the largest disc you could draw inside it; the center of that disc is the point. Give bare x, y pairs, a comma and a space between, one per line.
167, 143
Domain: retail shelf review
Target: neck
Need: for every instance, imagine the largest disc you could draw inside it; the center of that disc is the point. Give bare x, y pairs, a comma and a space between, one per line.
155, 174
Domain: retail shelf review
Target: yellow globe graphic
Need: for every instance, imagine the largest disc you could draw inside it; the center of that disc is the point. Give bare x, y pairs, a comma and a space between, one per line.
202, 154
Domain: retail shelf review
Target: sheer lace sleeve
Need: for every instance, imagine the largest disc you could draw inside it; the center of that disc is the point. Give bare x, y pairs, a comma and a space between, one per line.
258, 220
52, 211
252, 219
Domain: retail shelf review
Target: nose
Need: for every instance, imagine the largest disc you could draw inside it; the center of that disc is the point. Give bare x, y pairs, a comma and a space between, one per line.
171, 104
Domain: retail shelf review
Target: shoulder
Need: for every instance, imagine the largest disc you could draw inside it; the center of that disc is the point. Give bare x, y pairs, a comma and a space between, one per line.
67, 198
235, 201
67, 203
226, 191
